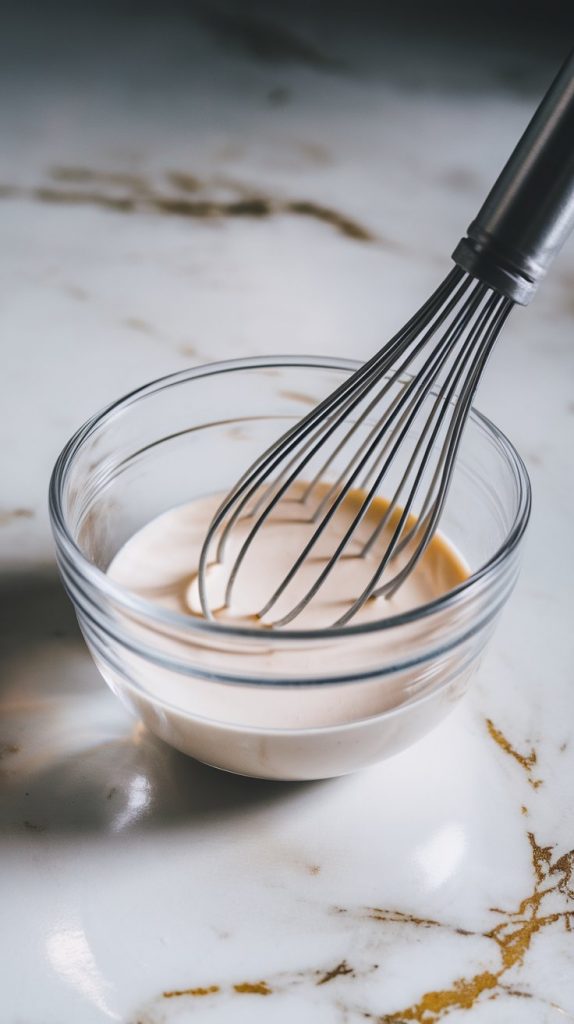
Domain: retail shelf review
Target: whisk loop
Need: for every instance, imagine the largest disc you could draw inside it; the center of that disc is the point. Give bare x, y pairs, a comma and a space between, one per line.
444, 348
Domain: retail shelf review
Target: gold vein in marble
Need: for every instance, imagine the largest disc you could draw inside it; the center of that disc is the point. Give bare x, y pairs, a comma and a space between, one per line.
280, 982
175, 993
512, 936
399, 917
125, 193
526, 761
250, 988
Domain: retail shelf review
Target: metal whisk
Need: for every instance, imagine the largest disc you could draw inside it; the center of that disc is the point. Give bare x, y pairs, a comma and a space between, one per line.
397, 422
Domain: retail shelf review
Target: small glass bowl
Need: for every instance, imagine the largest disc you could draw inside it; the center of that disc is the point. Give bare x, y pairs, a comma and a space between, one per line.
192, 434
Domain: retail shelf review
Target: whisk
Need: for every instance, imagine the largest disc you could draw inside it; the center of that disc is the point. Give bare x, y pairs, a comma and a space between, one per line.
399, 419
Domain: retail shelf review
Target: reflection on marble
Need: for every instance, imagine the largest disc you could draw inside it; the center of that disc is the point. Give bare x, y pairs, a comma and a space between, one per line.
69, 955
232, 182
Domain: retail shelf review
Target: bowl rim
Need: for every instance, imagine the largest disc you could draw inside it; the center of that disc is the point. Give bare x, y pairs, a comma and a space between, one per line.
149, 611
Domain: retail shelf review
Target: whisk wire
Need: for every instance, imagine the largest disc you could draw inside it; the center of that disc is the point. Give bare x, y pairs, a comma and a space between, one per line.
440, 405
249, 482
275, 495
419, 385
397, 373
460, 322
430, 512
450, 454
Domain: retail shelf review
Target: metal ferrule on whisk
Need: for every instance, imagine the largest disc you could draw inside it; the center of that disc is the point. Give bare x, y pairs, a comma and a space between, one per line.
529, 212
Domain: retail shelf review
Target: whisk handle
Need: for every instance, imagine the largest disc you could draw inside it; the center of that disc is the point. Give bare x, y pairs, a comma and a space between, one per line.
529, 212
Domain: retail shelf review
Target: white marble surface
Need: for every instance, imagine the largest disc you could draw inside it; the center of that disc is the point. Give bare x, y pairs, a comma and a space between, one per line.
440, 883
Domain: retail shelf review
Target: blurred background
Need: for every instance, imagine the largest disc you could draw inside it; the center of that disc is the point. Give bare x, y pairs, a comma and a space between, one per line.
188, 181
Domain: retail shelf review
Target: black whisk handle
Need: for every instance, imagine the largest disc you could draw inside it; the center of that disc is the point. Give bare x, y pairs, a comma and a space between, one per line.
529, 212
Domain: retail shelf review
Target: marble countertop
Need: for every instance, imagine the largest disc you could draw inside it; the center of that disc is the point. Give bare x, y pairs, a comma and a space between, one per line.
208, 184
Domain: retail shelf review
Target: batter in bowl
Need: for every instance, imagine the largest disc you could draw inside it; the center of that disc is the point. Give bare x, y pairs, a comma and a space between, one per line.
279, 730
160, 564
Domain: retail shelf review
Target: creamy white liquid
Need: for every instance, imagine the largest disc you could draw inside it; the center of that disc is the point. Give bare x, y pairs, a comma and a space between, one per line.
242, 728
160, 563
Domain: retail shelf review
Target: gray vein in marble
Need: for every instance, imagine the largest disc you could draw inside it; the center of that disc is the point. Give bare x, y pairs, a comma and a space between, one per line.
265, 40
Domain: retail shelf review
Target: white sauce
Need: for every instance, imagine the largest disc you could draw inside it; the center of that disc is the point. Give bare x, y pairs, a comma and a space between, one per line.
266, 730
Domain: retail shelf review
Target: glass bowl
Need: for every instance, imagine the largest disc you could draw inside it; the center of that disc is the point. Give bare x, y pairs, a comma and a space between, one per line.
213, 690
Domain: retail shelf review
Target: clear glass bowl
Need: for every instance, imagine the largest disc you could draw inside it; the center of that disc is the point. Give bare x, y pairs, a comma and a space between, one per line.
192, 434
